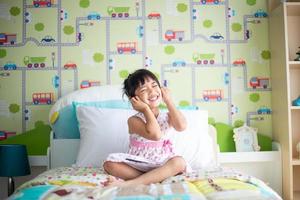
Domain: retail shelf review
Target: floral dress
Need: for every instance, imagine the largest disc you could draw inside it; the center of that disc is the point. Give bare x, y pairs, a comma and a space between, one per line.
145, 154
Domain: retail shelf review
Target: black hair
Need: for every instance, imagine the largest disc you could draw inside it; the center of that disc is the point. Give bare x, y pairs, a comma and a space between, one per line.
134, 80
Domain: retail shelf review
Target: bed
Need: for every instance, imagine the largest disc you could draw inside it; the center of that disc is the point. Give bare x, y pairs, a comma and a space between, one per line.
88, 124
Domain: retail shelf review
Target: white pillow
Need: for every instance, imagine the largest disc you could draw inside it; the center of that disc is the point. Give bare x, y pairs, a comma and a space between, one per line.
194, 144
102, 131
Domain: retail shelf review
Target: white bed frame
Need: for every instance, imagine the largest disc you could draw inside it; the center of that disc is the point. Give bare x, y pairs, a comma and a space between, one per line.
266, 166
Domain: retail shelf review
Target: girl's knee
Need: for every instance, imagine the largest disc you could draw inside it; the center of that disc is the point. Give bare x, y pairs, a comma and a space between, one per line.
179, 164
108, 166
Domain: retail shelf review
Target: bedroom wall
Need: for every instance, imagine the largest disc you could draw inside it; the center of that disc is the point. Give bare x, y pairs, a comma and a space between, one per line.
217, 57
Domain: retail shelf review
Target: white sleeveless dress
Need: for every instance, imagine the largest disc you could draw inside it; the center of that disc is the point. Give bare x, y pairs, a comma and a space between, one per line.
145, 155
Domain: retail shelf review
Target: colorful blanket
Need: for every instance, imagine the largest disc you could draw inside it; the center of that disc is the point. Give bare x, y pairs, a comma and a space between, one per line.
88, 183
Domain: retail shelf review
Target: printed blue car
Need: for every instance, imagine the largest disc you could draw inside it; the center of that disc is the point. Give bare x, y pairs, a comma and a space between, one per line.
55, 81
10, 66
47, 39
140, 31
226, 78
264, 110
176, 63
216, 36
94, 16
260, 13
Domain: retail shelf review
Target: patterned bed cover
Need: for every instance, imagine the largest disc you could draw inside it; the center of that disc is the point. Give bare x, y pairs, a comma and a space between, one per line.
87, 183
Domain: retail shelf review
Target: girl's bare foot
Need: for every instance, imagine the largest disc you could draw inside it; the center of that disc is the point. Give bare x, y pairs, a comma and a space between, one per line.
113, 181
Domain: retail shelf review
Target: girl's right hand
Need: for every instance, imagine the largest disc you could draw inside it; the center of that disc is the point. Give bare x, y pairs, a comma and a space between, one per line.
138, 104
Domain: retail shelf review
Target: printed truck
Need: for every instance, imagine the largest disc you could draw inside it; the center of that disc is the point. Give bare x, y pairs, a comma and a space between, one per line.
2, 135
204, 58
259, 82
8, 38
42, 3
118, 11
212, 94
34, 61
88, 83
172, 35
42, 98
6, 134
123, 47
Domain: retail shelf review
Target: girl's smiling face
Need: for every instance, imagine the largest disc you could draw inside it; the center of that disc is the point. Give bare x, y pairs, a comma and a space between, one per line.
149, 93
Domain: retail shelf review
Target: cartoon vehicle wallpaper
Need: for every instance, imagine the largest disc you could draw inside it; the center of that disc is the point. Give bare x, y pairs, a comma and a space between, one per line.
52, 48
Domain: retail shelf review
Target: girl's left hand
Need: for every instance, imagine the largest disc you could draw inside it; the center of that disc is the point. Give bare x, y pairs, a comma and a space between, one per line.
166, 95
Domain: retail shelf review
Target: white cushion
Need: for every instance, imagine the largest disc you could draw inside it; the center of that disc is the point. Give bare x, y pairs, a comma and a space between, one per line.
195, 144
105, 130
102, 131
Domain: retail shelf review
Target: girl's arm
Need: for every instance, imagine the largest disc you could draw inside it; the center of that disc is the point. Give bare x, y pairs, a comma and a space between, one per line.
176, 118
149, 129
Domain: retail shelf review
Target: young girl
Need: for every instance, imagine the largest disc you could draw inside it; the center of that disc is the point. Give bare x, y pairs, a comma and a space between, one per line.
151, 158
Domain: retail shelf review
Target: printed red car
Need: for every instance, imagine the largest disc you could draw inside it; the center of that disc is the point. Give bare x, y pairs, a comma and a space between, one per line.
70, 65
239, 62
154, 15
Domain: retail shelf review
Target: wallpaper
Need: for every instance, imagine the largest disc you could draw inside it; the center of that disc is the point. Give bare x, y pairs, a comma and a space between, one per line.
213, 54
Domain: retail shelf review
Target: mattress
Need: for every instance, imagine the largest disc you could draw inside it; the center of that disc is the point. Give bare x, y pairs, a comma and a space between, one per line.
88, 183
